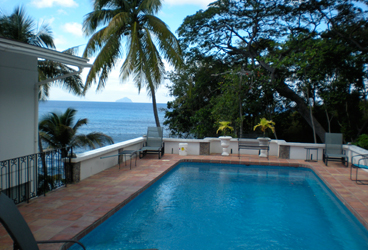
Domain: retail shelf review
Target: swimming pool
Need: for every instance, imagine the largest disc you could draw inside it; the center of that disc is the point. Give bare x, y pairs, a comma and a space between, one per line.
221, 206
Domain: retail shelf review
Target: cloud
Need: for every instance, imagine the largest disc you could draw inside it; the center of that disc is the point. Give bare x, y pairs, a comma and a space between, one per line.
60, 41
52, 3
73, 28
62, 12
202, 3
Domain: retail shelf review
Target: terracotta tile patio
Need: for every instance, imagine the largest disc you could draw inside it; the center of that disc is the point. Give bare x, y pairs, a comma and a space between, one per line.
70, 212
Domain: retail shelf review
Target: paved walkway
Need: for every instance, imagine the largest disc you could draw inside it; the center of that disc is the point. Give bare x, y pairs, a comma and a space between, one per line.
72, 211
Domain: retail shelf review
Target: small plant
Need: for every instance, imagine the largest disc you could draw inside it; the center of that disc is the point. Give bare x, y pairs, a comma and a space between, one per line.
224, 127
265, 124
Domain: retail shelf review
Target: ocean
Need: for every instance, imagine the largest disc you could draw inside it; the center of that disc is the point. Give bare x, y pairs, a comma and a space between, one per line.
122, 121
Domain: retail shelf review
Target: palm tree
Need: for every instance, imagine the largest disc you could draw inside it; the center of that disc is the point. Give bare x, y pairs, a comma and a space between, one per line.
50, 69
20, 27
59, 131
133, 23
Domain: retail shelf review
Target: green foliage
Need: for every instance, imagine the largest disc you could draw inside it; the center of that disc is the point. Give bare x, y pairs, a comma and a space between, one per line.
265, 124
362, 141
194, 87
20, 27
203, 123
224, 127
60, 131
211, 91
299, 68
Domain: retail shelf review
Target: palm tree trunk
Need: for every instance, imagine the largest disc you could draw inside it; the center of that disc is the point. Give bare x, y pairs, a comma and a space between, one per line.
154, 104
44, 166
43, 157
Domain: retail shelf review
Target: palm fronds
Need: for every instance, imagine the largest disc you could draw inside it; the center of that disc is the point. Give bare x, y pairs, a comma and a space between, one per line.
60, 131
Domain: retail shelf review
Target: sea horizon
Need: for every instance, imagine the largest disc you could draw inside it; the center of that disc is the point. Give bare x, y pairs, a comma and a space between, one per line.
96, 101
121, 121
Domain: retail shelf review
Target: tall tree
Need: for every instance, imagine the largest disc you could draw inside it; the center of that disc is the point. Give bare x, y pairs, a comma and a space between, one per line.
255, 31
20, 27
114, 23
204, 96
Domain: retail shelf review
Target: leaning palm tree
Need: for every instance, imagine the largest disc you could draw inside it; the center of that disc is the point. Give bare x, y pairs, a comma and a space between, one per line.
133, 23
20, 27
60, 131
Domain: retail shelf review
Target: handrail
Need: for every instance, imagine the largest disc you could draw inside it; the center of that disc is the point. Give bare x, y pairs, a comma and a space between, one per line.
26, 177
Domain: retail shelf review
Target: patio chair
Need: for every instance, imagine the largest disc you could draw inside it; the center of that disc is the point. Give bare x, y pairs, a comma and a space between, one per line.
18, 229
154, 143
359, 161
333, 149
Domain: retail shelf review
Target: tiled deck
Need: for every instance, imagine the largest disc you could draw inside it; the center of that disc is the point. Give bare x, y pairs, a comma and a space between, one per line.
68, 212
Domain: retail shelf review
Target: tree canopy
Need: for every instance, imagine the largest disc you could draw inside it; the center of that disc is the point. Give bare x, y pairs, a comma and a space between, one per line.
300, 62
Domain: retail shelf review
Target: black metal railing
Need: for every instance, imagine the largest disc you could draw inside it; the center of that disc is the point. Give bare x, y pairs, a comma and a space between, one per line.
29, 176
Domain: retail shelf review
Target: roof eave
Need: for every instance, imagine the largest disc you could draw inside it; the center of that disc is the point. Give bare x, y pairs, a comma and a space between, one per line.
31, 50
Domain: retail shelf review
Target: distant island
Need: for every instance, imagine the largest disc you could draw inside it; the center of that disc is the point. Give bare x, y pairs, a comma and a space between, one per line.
124, 99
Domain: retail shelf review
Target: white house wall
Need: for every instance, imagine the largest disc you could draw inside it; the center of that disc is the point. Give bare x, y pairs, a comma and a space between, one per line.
18, 102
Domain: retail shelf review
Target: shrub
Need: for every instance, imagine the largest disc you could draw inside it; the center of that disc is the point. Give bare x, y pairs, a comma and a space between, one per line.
362, 141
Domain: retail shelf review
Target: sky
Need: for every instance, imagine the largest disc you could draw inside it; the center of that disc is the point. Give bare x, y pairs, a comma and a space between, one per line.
65, 17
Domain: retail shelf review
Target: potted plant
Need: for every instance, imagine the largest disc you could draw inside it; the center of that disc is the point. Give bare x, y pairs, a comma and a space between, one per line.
264, 141
225, 140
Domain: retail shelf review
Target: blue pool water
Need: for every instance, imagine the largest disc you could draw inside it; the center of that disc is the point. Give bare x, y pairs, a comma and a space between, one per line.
218, 206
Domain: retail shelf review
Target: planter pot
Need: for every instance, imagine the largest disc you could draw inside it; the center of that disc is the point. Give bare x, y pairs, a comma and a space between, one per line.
263, 141
225, 143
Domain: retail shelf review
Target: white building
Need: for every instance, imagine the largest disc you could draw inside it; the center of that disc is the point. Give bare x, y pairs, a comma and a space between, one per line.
19, 94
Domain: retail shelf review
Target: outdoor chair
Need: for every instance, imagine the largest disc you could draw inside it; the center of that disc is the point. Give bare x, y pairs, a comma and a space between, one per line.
359, 161
333, 149
18, 229
154, 143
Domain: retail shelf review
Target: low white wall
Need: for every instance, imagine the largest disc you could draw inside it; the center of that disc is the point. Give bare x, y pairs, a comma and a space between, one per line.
91, 162
352, 150
298, 151
216, 146
172, 145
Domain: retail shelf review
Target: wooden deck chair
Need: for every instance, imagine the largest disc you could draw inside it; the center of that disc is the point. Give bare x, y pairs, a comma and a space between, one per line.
333, 149
18, 229
154, 143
